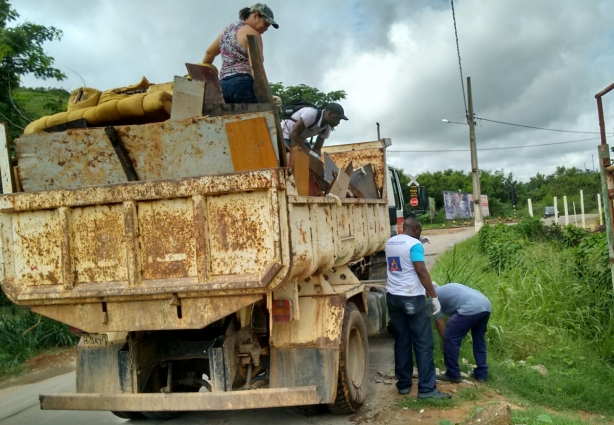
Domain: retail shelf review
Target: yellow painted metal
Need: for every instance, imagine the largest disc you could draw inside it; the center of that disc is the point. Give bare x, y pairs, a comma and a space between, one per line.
209, 240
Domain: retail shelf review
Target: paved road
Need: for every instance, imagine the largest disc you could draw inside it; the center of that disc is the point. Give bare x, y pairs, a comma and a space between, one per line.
19, 404
589, 219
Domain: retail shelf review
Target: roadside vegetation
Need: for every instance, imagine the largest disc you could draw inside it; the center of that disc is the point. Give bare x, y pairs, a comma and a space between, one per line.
24, 334
551, 334
497, 185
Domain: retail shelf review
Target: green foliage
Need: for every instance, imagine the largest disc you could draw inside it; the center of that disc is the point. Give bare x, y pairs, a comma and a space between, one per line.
552, 306
22, 337
40, 101
538, 416
496, 185
501, 243
305, 92
21, 52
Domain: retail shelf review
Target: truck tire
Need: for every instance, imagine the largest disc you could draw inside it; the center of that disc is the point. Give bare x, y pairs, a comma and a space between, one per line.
353, 364
162, 416
129, 415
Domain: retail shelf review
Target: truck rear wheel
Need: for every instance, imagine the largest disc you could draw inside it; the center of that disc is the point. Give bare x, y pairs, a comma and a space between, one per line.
353, 363
129, 415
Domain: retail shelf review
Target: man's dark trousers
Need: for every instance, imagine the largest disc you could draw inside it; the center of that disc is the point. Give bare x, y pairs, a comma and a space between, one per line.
456, 328
410, 322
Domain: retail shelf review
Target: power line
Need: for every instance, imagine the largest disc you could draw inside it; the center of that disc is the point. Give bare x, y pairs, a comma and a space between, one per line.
537, 128
459, 59
495, 149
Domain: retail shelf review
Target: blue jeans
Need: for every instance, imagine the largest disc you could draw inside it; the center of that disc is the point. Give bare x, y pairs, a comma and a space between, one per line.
410, 323
456, 328
289, 143
239, 88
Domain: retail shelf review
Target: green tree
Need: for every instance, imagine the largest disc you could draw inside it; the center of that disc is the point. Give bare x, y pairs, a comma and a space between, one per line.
21, 53
305, 92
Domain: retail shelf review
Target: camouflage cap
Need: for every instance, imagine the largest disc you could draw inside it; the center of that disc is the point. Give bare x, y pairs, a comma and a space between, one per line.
266, 12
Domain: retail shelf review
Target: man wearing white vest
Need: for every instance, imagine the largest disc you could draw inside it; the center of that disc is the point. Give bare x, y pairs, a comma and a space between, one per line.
407, 285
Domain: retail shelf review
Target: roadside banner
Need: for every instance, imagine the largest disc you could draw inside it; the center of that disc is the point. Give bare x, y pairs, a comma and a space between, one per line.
460, 205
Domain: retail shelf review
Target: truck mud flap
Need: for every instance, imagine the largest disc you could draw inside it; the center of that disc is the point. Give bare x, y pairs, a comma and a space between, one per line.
236, 400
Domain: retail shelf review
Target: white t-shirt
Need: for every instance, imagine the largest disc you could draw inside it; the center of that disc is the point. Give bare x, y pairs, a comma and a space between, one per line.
401, 251
308, 115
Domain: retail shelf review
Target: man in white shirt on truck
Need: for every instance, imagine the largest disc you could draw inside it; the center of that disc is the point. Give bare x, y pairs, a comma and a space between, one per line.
308, 122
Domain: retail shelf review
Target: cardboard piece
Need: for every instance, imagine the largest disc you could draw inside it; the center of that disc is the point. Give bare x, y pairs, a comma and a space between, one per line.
341, 183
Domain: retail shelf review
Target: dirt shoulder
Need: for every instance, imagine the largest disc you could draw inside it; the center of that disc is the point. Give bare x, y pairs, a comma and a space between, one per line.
43, 366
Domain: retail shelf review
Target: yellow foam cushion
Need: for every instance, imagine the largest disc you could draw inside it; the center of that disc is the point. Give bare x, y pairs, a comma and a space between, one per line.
83, 97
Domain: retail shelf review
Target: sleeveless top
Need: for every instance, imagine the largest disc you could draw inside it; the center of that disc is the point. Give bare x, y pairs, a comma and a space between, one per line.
234, 56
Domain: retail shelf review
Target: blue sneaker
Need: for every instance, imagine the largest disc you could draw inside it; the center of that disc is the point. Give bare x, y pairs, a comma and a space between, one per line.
434, 394
444, 377
405, 391
479, 379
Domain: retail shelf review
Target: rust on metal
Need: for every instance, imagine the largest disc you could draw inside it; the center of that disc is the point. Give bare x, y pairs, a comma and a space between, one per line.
232, 400
140, 191
124, 316
598, 96
73, 159
361, 154
320, 324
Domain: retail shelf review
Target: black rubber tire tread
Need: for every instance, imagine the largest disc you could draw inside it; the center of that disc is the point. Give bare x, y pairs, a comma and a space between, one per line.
163, 416
129, 415
311, 409
349, 398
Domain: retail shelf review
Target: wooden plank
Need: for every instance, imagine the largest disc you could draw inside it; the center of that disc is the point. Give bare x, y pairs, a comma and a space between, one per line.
300, 169
329, 168
322, 184
188, 98
314, 187
216, 110
363, 183
261, 82
122, 154
340, 185
263, 91
222, 400
6, 170
213, 88
70, 125
250, 145
18, 187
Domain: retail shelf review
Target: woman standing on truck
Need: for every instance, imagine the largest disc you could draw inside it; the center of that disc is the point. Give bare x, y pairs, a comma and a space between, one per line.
236, 74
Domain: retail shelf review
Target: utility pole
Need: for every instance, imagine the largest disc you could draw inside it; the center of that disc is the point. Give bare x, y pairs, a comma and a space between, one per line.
477, 198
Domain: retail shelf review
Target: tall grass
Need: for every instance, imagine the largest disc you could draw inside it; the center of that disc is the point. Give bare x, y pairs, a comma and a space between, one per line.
552, 306
26, 335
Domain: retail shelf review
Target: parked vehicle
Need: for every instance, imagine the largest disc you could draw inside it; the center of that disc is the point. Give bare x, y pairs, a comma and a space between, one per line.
549, 212
204, 284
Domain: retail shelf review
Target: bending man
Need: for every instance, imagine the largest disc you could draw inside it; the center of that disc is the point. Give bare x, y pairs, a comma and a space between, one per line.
468, 310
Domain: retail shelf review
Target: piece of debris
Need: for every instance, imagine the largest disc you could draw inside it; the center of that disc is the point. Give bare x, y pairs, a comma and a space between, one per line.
541, 369
499, 414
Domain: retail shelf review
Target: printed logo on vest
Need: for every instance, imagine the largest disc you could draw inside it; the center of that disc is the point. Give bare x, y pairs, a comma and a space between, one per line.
394, 264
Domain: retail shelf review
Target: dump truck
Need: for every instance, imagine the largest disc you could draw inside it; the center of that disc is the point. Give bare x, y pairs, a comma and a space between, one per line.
196, 262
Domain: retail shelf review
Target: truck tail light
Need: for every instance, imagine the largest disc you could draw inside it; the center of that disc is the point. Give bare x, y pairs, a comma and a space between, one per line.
76, 331
282, 311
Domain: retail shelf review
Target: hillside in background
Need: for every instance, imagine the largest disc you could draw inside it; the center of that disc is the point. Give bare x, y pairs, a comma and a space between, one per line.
38, 102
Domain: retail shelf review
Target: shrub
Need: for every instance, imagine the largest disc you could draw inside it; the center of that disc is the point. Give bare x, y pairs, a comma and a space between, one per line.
22, 337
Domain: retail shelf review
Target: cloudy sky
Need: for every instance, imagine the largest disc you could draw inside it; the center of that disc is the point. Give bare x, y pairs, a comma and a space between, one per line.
532, 62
